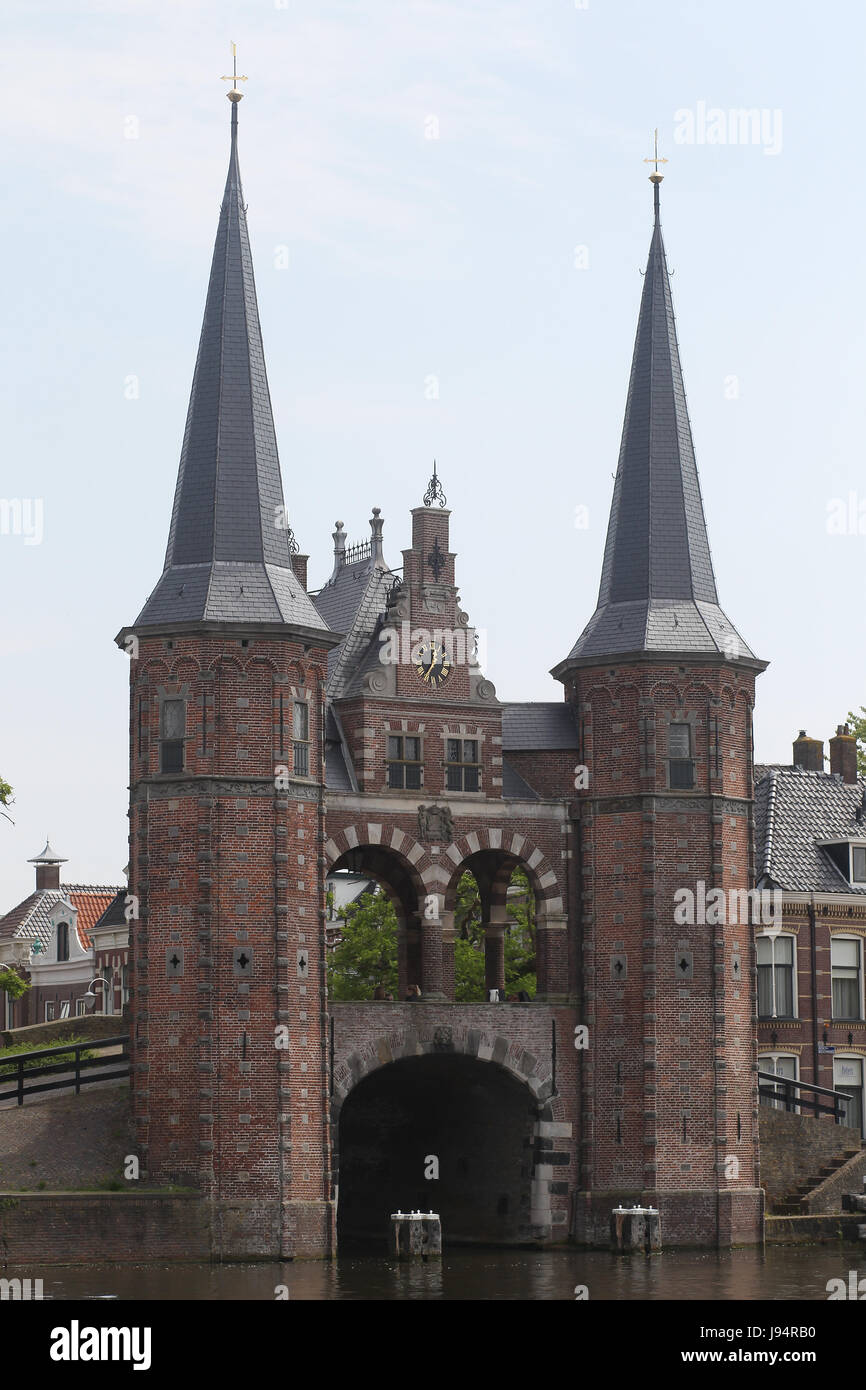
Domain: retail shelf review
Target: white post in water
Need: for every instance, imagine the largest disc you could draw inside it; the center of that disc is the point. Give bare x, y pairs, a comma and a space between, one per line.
416, 1235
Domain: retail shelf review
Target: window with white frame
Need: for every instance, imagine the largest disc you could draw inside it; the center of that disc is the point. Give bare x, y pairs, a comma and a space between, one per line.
49, 1011
848, 1079
776, 976
64, 1008
301, 738
80, 1007
846, 969
784, 1065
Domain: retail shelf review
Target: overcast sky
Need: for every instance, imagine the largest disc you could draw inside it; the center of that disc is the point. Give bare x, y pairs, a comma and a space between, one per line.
443, 198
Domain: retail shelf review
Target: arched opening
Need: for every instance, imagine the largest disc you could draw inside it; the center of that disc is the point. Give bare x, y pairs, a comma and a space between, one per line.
373, 934
494, 912
469, 1121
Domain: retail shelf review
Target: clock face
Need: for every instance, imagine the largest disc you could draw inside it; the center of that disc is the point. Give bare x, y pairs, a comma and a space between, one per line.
433, 665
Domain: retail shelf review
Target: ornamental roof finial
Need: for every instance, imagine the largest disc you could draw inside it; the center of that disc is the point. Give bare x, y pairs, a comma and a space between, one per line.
434, 491
234, 94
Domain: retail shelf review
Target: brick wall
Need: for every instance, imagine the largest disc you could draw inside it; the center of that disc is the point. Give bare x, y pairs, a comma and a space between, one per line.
794, 1148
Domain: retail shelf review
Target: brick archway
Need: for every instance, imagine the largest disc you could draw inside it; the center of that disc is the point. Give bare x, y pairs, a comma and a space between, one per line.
373, 833
393, 1047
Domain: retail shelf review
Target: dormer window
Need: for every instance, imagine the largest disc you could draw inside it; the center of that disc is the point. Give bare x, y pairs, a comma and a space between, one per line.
681, 767
850, 859
63, 941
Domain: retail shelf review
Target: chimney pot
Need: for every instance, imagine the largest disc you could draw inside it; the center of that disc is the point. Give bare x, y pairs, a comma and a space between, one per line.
808, 753
843, 754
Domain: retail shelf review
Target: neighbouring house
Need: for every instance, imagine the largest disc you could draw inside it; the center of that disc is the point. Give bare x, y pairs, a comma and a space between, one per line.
48, 937
811, 848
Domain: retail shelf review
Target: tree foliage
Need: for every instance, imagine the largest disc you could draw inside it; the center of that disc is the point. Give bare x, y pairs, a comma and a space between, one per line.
13, 984
857, 725
5, 796
367, 954
519, 940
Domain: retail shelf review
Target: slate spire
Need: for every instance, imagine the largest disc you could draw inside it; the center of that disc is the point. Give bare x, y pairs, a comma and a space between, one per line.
229, 547
658, 590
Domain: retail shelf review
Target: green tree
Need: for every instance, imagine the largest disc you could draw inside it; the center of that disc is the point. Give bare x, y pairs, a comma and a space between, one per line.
367, 954
520, 972
5, 797
857, 725
12, 983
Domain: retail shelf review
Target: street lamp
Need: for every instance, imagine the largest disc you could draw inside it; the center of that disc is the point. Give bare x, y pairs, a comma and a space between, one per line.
89, 996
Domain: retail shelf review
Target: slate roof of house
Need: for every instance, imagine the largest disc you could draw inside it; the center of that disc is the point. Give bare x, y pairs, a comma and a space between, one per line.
538, 725
228, 555
794, 810
354, 603
658, 590
115, 914
338, 772
29, 918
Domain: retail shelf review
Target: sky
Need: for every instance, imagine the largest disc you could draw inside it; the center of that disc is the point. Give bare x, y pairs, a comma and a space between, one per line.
449, 215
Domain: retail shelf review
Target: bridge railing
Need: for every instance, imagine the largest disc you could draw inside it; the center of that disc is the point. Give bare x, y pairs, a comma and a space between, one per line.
783, 1090
16, 1071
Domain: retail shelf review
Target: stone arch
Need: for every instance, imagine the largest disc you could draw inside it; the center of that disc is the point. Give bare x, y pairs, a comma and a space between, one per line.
373, 833
491, 855
392, 1047
409, 1095
512, 846
369, 850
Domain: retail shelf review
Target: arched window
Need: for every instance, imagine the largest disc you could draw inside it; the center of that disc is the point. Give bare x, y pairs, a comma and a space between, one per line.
63, 941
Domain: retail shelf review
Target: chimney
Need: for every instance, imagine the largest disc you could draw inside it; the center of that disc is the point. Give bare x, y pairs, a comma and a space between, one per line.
843, 754
47, 868
299, 565
808, 752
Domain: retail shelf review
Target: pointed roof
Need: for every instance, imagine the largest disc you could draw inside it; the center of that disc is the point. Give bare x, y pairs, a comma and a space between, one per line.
658, 591
229, 547
48, 856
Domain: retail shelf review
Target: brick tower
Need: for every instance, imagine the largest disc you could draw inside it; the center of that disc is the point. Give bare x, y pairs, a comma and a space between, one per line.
662, 687
228, 670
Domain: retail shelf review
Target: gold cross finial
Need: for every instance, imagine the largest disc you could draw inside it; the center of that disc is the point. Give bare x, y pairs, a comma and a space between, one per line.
234, 94
655, 176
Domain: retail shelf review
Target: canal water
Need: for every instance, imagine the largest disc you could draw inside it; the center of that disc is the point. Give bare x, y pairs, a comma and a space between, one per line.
780, 1273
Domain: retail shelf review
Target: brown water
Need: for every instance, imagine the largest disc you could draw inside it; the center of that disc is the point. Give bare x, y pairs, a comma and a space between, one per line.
779, 1274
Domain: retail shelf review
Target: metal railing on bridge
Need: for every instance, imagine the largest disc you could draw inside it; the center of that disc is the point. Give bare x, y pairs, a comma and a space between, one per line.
76, 1071
782, 1092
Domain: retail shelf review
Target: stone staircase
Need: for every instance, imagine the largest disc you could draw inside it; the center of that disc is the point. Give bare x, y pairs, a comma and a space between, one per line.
797, 1203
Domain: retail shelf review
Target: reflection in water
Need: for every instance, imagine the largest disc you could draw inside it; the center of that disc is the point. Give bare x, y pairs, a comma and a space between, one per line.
781, 1273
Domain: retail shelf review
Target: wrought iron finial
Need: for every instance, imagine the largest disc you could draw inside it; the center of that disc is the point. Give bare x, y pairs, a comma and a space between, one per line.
434, 491
656, 160
234, 78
